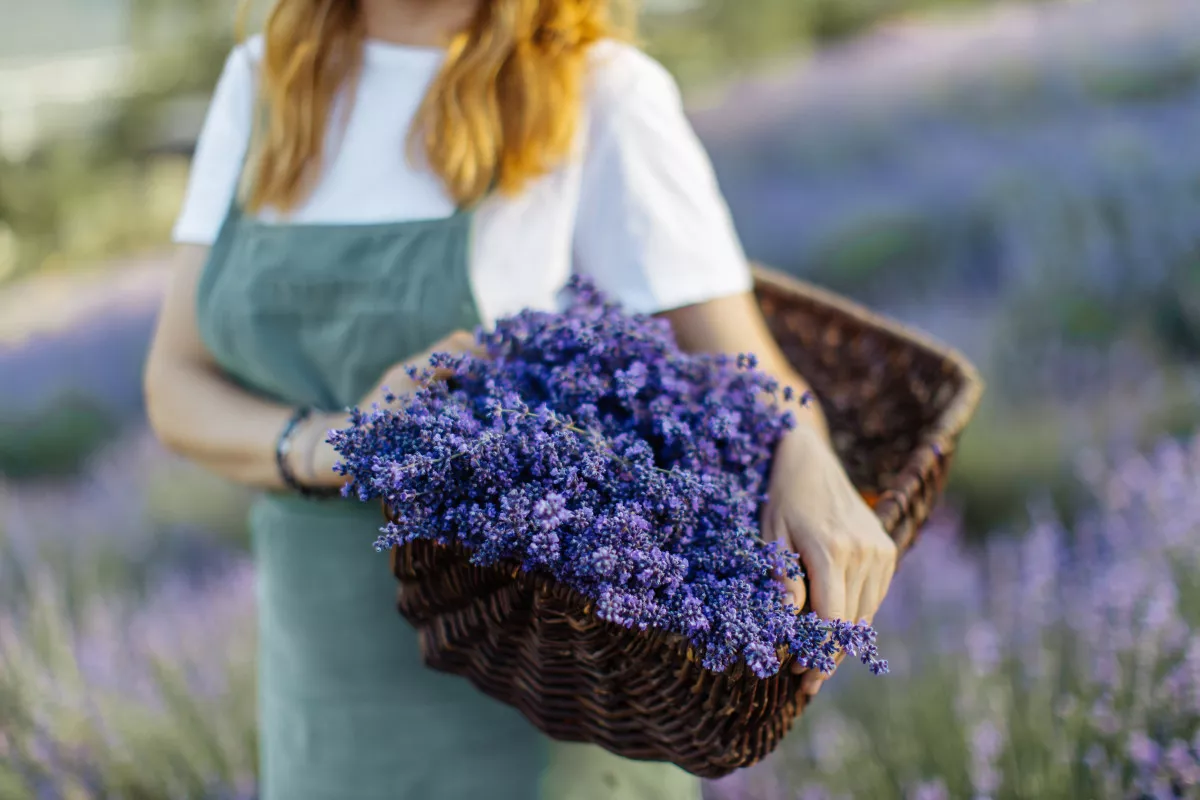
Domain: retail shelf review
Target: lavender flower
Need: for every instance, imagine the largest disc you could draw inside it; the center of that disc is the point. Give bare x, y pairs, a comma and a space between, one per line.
929, 790
587, 445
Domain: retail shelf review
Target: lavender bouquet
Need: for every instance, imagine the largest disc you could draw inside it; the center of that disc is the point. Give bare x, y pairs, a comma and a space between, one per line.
587, 446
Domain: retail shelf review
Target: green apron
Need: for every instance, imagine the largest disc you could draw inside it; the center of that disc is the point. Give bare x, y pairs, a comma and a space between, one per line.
313, 315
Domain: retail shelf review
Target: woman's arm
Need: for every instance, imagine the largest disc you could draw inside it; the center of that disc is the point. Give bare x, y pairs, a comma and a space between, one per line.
199, 413
733, 325
812, 507
195, 411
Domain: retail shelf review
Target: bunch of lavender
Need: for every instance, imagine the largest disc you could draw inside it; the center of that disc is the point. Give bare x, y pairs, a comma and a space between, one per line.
588, 446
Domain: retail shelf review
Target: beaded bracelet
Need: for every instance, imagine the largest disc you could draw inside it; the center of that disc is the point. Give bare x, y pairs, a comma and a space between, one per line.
283, 448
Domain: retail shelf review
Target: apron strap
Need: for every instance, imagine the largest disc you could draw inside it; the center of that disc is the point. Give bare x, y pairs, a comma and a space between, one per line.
257, 120
470, 208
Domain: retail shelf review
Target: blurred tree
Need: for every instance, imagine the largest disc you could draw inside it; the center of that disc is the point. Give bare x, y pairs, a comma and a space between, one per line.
52, 197
180, 46
702, 40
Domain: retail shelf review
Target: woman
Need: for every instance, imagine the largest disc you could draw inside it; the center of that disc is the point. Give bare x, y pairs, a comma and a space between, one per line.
318, 254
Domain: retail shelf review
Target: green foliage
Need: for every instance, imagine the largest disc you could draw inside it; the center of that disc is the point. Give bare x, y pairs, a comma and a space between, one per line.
1059, 664
1002, 461
157, 735
1175, 315
126, 634
182, 45
55, 440
712, 39
55, 202
86, 199
888, 245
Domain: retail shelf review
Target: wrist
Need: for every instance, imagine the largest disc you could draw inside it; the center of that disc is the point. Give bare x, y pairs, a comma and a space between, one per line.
809, 439
305, 466
809, 418
799, 401
299, 455
316, 455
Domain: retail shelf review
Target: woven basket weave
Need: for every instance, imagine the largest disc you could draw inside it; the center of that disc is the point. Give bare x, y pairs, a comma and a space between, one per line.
895, 403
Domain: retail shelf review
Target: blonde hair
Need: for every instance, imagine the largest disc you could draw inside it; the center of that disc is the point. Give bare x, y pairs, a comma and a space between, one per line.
503, 110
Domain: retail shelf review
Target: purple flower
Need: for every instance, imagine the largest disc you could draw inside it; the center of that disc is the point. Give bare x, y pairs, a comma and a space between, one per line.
551, 511
929, 790
588, 446
983, 647
1143, 751
986, 745
1182, 765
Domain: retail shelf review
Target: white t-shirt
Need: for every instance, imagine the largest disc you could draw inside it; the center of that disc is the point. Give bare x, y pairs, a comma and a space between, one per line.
637, 209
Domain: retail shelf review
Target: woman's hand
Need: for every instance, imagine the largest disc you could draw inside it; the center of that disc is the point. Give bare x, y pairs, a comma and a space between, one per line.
396, 379
815, 511
318, 457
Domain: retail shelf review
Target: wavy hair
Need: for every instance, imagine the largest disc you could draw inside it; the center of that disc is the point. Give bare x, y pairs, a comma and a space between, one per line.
503, 110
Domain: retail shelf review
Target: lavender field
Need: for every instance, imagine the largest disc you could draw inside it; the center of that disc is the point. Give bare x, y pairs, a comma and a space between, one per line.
1063, 663
126, 633
1024, 184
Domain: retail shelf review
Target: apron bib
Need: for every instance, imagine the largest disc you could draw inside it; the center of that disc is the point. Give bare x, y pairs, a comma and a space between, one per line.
313, 314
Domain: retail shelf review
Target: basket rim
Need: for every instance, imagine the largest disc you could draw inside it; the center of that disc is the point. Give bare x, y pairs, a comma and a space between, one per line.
939, 440
973, 383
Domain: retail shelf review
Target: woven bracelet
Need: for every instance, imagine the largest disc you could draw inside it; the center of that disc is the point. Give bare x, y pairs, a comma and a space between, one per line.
283, 448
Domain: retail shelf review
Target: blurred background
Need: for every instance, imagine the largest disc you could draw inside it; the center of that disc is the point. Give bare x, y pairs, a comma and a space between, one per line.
1020, 179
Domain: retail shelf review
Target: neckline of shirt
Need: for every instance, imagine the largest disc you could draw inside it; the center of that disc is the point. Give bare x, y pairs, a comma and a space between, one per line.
383, 51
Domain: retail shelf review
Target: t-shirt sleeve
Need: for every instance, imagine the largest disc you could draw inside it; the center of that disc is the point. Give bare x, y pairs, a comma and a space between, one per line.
653, 230
220, 150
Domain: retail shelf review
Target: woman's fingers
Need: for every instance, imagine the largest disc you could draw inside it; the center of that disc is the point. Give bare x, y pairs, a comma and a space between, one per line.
868, 578
827, 584
796, 589
858, 575
397, 380
774, 530
799, 596
875, 590
882, 564
855, 581
459, 341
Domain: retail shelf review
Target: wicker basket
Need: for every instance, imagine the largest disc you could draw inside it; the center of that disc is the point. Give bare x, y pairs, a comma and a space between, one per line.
896, 404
